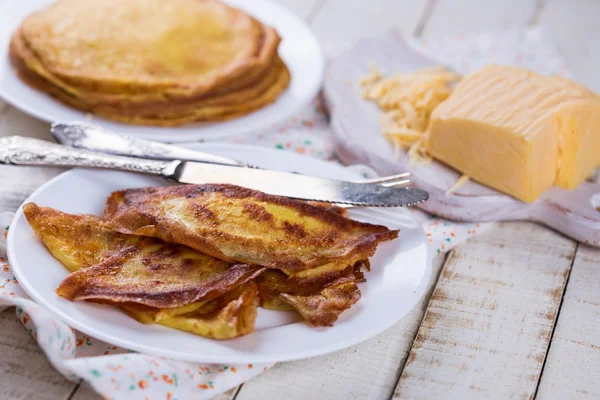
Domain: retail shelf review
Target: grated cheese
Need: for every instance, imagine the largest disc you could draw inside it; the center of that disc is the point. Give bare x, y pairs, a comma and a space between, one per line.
406, 101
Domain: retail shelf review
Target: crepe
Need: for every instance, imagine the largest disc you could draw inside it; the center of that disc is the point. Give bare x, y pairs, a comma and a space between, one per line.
174, 115
161, 275
233, 316
166, 112
151, 280
241, 225
240, 89
320, 297
311, 256
187, 46
77, 241
151, 62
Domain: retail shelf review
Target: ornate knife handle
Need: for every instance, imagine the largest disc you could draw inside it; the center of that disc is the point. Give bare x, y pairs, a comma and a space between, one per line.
92, 137
28, 151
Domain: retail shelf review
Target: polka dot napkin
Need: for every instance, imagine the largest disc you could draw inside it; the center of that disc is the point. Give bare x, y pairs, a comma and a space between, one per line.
117, 373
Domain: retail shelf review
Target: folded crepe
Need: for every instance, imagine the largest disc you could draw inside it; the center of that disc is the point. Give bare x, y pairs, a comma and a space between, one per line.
319, 297
172, 284
151, 280
242, 225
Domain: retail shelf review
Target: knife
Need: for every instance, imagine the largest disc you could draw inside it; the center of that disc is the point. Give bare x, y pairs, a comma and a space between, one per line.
28, 151
87, 136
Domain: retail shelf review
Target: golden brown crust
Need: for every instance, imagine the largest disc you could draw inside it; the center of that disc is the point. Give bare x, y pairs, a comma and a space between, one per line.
320, 251
165, 111
226, 317
110, 266
319, 298
78, 241
150, 62
298, 237
205, 114
229, 102
159, 275
234, 316
150, 315
244, 87
237, 104
324, 308
185, 46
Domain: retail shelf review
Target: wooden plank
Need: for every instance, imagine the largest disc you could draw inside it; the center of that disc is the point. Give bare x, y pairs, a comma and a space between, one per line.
574, 29
471, 16
572, 369
24, 371
349, 20
368, 370
490, 318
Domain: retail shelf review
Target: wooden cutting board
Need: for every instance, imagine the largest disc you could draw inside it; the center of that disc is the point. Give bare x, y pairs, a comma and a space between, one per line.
357, 140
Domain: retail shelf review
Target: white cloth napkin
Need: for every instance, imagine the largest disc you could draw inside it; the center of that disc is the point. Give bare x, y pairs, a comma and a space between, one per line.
118, 373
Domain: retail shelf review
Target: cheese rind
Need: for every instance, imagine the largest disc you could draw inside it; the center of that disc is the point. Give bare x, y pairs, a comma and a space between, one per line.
517, 131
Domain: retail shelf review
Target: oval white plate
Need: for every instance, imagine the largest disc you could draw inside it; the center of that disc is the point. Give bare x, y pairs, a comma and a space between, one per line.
300, 50
400, 272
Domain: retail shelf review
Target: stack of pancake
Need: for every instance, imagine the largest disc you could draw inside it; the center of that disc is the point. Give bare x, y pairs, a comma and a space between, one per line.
151, 62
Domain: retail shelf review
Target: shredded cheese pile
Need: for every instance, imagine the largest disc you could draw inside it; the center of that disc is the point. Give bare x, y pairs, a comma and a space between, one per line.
407, 100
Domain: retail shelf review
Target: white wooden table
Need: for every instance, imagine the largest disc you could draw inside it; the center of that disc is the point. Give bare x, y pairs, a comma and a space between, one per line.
514, 313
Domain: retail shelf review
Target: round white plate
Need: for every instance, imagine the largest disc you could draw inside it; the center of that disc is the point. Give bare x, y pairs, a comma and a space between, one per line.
400, 272
299, 48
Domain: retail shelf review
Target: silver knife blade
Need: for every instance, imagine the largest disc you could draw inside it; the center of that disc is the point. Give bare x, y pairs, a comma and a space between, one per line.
299, 186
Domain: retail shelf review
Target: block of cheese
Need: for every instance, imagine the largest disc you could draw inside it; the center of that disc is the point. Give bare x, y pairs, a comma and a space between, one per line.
517, 131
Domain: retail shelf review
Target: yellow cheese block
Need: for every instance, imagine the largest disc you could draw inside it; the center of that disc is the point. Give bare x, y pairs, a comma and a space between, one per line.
517, 131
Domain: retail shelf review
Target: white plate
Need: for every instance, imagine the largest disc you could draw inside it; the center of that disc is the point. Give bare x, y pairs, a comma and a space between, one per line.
401, 270
299, 49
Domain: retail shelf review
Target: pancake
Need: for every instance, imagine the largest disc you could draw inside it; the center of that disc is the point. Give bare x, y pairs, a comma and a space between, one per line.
324, 307
144, 271
210, 113
180, 47
241, 97
320, 298
241, 225
226, 317
156, 274
150, 315
234, 316
77, 241
27, 64
81, 240
243, 101
255, 88
258, 94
